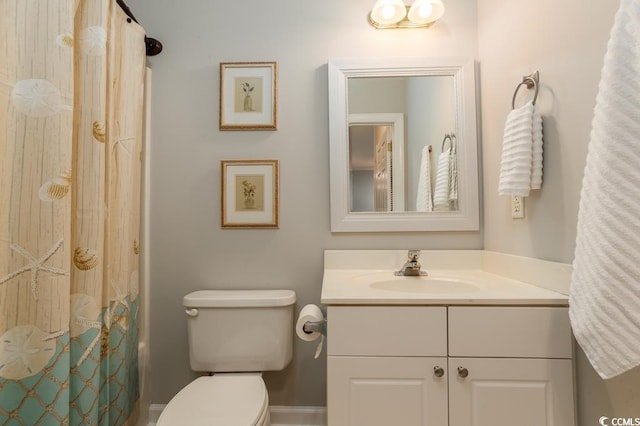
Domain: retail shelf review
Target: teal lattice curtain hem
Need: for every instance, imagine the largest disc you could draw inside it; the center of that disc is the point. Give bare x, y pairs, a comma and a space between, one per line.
91, 379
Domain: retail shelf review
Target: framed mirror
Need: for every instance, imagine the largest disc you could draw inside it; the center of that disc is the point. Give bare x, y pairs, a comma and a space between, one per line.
403, 145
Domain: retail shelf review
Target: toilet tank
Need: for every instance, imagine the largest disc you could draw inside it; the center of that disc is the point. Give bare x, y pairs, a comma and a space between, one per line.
240, 330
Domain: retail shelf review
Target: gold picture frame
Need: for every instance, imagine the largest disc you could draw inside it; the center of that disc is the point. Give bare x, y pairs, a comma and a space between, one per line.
250, 191
248, 95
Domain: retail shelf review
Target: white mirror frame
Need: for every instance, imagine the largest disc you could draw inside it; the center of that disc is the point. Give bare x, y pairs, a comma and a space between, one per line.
466, 218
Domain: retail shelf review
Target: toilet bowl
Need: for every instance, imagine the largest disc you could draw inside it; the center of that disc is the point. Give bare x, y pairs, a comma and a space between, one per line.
222, 399
235, 335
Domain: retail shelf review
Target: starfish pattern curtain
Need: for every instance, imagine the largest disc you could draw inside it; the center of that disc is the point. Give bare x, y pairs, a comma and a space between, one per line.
71, 110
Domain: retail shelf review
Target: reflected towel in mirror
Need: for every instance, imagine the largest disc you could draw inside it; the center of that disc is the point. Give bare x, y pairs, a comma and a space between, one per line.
453, 175
441, 193
424, 203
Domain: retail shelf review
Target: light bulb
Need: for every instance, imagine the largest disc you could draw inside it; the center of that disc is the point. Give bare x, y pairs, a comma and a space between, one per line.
426, 11
420, 11
388, 12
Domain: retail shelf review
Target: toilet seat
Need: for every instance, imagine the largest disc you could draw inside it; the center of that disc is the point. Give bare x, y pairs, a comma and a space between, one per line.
228, 399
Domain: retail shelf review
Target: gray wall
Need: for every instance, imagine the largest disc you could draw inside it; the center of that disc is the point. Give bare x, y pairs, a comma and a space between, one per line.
565, 40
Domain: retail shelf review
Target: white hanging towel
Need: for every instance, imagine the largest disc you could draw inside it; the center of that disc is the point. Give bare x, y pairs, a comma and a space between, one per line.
424, 203
536, 160
517, 152
441, 193
604, 301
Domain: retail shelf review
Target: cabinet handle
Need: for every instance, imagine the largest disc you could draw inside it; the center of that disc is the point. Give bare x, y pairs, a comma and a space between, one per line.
463, 372
438, 371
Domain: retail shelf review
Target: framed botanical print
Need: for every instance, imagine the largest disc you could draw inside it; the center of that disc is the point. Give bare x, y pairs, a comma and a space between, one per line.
248, 95
249, 193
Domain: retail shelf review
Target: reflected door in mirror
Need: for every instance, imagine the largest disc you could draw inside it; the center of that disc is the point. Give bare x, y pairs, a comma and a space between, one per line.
370, 167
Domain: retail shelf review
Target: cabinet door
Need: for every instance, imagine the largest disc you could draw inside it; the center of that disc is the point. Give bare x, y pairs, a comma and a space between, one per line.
383, 391
507, 392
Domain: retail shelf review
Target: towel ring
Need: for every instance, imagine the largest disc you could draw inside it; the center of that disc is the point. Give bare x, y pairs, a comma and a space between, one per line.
447, 136
531, 81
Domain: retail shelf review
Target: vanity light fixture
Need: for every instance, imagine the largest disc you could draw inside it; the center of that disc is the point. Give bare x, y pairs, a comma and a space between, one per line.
396, 14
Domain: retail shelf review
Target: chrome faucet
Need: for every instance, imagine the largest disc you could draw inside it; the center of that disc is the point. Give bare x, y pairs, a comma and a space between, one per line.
411, 268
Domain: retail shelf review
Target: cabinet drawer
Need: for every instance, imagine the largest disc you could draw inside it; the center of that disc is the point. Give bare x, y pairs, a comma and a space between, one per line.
517, 332
387, 330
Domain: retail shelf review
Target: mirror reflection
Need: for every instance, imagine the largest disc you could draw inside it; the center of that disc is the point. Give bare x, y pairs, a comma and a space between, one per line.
402, 144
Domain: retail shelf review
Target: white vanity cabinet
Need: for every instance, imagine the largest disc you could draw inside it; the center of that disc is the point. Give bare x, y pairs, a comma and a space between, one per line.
449, 365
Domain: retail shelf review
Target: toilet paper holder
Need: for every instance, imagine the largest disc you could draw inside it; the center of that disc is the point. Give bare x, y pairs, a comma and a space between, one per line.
315, 327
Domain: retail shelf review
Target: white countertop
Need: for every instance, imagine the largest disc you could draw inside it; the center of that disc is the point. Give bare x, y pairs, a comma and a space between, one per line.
478, 278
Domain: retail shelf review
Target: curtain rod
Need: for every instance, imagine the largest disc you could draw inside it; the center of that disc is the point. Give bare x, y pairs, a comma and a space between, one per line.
152, 45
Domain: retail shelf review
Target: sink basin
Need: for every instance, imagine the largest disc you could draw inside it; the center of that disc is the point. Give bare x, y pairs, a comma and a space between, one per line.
425, 285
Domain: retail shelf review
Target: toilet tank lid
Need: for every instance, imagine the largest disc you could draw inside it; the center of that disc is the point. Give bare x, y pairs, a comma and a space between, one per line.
239, 298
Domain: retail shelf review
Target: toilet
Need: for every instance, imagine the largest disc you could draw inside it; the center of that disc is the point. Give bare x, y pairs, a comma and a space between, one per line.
236, 335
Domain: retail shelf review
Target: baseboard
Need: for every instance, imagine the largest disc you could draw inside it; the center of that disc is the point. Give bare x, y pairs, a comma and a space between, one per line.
280, 415
154, 412
298, 416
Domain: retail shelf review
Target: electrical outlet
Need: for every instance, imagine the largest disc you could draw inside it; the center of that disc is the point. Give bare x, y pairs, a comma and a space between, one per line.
517, 207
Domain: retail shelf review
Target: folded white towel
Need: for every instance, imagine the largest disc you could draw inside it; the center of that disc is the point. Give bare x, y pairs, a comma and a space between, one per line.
424, 203
517, 152
604, 298
441, 193
536, 161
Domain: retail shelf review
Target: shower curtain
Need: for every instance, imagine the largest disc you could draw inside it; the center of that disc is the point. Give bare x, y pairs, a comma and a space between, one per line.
71, 95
